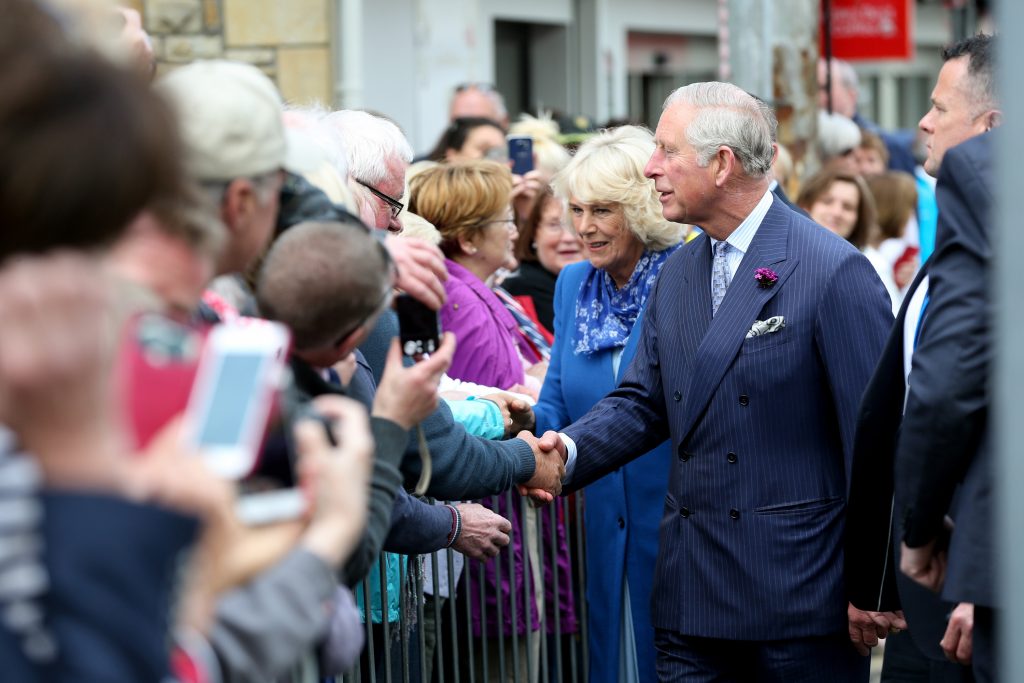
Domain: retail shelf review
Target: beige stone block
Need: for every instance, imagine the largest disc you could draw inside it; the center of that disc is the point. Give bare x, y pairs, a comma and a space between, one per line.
304, 74
272, 22
190, 48
211, 15
173, 16
252, 55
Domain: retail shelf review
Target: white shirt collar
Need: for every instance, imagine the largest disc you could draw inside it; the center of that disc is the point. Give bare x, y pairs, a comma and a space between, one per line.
743, 235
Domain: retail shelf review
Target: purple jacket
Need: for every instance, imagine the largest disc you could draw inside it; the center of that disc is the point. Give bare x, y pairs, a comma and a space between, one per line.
488, 338
509, 506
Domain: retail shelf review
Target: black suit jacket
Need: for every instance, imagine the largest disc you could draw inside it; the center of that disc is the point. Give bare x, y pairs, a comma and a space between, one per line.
944, 439
874, 581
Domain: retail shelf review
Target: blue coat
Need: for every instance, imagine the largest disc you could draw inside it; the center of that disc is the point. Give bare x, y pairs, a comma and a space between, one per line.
621, 525
761, 428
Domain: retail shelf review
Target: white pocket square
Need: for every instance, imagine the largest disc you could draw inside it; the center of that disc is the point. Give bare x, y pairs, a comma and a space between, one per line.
772, 324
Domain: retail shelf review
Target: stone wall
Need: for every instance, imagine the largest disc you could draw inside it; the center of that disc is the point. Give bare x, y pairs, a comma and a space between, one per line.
289, 40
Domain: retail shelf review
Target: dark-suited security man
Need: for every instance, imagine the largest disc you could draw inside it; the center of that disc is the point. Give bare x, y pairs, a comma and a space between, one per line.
935, 364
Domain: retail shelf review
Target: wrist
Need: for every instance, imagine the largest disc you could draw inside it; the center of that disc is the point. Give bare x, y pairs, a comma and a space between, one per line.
386, 413
456, 530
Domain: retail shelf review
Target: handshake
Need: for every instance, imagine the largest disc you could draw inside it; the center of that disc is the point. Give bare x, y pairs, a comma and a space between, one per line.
549, 467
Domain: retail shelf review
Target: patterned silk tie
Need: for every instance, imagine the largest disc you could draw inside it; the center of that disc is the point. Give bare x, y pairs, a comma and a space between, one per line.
720, 277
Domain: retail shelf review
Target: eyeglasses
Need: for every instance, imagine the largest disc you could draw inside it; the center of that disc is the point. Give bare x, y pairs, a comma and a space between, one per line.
393, 204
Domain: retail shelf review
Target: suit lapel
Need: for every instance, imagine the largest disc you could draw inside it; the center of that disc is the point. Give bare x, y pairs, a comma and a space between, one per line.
743, 301
697, 281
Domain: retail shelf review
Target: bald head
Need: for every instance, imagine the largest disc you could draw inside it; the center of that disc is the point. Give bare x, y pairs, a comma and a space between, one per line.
323, 280
479, 101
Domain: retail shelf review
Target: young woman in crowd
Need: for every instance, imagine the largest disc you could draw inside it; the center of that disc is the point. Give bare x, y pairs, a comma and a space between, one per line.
840, 201
895, 195
598, 315
470, 138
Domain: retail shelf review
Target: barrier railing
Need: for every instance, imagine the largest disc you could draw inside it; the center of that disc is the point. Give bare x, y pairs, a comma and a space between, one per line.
443, 633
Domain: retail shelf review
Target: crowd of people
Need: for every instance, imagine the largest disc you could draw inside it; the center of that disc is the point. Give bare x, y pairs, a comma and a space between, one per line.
767, 461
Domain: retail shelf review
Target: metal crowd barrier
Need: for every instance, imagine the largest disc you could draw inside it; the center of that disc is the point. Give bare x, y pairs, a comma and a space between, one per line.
393, 649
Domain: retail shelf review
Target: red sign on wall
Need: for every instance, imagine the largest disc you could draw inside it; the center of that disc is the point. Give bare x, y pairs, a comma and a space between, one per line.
871, 29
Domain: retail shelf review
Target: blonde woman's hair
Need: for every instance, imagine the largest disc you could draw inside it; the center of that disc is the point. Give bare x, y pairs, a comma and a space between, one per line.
458, 198
609, 169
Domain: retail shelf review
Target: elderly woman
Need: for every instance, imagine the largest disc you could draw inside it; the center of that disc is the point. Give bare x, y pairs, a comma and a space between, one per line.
469, 204
599, 306
547, 243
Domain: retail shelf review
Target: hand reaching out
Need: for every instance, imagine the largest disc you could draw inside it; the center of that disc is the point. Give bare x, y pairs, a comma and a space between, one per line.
517, 413
549, 461
421, 269
407, 395
58, 342
484, 533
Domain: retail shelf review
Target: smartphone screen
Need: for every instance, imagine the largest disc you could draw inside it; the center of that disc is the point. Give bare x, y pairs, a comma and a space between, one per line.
232, 398
520, 151
229, 410
419, 326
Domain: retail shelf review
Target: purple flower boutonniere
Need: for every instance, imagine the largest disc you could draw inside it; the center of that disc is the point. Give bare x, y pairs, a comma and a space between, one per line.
765, 278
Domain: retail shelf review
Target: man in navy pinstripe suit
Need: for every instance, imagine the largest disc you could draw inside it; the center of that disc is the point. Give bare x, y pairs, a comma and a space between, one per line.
759, 339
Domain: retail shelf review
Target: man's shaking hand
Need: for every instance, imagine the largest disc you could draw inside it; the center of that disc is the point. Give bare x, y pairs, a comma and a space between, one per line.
549, 458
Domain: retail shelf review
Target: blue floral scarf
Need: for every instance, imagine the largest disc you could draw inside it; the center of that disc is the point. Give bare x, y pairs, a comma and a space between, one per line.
604, 314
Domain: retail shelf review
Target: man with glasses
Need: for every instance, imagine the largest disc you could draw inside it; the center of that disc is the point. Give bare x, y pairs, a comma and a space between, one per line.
378, 155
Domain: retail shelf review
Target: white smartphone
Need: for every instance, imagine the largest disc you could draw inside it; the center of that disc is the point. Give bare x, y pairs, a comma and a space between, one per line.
240, 371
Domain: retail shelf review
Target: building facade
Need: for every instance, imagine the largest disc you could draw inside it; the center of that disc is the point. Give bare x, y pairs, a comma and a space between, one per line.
606, 59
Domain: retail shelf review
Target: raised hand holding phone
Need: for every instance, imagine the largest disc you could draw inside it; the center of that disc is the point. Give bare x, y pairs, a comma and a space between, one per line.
239, 374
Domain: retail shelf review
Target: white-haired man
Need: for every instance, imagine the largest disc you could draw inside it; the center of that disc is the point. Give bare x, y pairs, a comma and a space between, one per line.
758, 339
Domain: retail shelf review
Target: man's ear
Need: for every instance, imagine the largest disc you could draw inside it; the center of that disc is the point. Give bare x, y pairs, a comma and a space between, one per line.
725, 165
993, 119
238, 203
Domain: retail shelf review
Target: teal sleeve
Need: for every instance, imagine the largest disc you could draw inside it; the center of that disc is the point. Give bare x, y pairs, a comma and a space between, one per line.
479, 418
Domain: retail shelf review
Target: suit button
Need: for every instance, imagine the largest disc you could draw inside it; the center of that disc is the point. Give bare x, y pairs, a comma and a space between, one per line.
731, 457
676, 396
622, 523
684, 512
734, 513
744, 399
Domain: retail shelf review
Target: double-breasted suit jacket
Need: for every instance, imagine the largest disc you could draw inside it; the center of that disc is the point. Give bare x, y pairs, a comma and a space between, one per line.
761, 430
